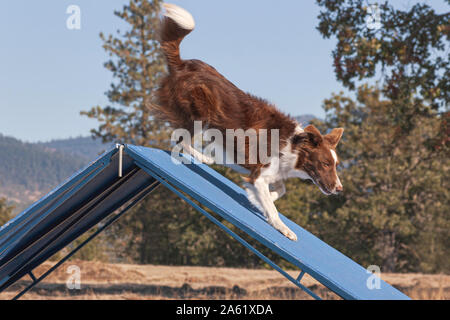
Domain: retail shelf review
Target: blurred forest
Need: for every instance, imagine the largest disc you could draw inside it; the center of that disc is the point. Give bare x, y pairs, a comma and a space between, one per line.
394, 155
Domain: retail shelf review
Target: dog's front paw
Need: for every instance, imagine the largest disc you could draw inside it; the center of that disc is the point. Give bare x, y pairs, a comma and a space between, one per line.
290, 235
284, 230
204, 159
207, 160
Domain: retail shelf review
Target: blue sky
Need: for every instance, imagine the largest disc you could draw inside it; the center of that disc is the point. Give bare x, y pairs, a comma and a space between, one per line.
50, 73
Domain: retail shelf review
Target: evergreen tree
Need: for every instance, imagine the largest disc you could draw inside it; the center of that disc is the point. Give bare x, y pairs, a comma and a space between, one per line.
137, 64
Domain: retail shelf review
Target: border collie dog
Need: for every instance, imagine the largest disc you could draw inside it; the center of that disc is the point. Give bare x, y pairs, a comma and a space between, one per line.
195, 91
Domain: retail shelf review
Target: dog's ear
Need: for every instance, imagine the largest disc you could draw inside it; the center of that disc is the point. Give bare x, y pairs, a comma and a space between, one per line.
334, 136
310, 135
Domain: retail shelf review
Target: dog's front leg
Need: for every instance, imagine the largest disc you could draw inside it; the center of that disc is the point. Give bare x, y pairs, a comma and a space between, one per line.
259, 195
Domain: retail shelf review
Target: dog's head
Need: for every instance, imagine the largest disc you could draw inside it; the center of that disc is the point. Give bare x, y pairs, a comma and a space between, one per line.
317, 159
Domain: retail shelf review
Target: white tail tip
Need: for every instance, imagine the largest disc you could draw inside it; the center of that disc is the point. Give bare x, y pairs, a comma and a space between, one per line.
182, 18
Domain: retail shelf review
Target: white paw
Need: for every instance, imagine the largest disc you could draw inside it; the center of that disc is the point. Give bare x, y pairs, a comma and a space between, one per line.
280, 226
207, 160
291, 235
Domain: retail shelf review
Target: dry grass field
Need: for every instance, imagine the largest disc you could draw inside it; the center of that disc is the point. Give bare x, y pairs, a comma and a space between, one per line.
126, 281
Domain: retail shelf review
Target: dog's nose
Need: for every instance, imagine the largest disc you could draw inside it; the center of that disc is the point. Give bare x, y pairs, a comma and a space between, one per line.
339, 188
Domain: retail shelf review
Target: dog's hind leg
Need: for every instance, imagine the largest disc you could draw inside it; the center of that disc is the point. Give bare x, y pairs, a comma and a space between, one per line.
199, 156
277, 190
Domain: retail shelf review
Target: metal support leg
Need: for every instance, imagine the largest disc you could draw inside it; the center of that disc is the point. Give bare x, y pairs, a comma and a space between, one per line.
120, 160
32, 276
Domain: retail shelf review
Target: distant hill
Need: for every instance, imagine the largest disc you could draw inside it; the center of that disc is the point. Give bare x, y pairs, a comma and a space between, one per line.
84, 147
30, 170
305, 119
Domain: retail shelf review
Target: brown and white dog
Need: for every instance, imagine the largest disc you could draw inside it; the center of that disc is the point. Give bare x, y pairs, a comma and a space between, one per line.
195, 91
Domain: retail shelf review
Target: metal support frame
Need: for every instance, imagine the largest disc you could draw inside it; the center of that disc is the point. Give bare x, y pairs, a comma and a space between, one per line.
134, 201
231, 233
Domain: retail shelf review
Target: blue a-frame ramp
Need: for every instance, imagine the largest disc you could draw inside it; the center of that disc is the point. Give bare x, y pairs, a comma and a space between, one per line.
108, 187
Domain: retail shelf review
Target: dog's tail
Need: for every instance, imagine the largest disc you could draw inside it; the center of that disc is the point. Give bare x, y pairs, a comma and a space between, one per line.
176, 24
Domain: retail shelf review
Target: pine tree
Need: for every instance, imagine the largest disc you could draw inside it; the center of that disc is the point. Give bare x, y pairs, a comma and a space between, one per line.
137, 65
